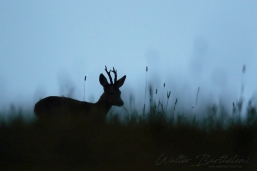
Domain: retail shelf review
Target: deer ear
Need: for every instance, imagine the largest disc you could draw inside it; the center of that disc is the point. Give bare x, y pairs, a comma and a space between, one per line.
120, 82
103, 81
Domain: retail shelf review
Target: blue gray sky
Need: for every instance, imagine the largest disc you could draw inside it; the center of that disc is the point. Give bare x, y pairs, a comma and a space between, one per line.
47, 47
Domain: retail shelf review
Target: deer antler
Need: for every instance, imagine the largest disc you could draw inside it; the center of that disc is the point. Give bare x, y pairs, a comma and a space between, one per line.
109, 74
115, 75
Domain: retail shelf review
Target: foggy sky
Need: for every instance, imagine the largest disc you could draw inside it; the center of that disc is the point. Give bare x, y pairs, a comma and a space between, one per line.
47, 47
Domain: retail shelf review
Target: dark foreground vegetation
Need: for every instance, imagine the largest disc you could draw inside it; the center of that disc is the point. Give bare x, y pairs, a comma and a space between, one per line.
139, 144
160, 138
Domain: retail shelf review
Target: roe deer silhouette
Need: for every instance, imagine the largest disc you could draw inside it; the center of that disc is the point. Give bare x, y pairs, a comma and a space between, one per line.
64, 106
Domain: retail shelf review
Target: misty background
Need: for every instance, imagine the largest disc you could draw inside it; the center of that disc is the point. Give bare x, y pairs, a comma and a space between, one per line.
48, 47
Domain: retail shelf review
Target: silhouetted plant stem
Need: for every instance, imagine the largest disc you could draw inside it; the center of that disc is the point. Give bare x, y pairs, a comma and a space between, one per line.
174, 107
84, 87
145, 89
168, 97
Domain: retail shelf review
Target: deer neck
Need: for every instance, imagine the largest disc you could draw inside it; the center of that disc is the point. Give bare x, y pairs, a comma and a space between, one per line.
103, 105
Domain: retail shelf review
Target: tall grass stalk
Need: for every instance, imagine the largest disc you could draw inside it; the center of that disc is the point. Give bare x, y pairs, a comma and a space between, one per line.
163, 92
240, 103
174, 108
168, 97
196, 101
156, 91
145, 89
84, 87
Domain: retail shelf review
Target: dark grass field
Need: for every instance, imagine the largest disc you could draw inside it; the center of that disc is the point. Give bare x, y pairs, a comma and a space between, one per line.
71, 144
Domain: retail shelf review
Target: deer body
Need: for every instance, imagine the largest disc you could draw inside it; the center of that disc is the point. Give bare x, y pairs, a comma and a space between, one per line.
63, 106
